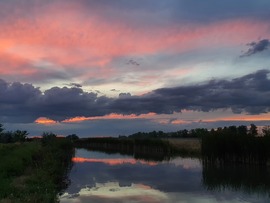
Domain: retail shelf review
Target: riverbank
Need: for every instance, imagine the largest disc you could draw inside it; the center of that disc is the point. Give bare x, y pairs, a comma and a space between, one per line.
34, 171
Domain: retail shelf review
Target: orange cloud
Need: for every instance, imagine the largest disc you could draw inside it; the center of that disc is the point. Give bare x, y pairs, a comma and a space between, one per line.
45, 121
112, 116
179, 122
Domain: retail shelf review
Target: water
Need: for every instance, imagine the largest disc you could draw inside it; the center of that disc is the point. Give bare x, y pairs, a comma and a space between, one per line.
113, 178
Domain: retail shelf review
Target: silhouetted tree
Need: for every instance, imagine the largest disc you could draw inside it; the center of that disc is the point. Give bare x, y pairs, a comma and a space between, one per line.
72, 137
47, 137
232, 130
242, 130
198, 132
253, 130
266, 131
6, 137
19, 136
1, 128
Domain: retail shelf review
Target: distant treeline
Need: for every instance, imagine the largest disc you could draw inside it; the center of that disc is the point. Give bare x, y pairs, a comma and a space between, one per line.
21, 136
238, 144
194, 133
200, 132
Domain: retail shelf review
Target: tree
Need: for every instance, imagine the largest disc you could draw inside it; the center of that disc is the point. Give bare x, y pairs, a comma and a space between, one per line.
1, 128
266, 131
20, 136
232, 130
48, 137
253, 130
6, 137
242, 130
72, 137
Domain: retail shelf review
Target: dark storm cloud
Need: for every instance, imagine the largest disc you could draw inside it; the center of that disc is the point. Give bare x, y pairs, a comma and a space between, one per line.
250, 93
256, 47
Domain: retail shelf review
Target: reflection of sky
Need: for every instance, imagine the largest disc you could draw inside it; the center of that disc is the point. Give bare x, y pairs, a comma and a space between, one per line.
177, 180
113, 192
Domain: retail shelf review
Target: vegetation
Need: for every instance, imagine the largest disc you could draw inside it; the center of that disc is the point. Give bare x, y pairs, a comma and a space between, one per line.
229, 144
72, 137
186, 147
37, 171
147, 148
193, 133
34, 171
236, 144
11, 137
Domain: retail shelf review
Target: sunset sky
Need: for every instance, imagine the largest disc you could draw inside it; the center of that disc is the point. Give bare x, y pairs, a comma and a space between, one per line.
116, 67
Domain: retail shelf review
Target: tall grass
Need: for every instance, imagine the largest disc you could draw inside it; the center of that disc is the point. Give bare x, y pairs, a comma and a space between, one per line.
236, 148
34, 172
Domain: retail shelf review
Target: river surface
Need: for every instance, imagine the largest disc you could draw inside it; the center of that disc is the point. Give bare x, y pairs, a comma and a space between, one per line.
114, 178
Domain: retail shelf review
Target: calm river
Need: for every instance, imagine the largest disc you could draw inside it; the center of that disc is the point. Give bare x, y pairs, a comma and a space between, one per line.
114, 178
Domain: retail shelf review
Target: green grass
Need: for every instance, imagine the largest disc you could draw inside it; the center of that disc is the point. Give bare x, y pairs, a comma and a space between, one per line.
34, 172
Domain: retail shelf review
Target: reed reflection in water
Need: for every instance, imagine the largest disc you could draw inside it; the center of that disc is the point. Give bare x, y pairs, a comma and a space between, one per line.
249, 178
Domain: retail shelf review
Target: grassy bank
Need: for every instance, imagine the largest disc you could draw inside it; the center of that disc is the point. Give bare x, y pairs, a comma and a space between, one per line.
35, 171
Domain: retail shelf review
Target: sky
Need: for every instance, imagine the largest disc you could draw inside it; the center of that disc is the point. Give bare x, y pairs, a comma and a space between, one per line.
109, 68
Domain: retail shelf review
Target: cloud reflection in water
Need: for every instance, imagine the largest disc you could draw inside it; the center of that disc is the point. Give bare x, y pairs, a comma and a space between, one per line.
113, 192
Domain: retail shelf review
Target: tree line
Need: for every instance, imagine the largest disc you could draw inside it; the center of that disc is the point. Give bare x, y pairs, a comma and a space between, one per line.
12, 136
200, 132
21, 136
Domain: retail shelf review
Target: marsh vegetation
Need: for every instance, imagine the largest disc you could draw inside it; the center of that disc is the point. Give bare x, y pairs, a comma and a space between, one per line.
34, 171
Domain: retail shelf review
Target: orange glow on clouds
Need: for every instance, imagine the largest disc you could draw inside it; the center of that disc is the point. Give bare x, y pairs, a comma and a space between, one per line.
45, 121
261, 117
179, 122
185, 117
111, 116
112, 161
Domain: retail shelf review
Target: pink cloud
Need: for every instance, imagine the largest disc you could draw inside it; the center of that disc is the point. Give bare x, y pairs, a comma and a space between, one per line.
70, 39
